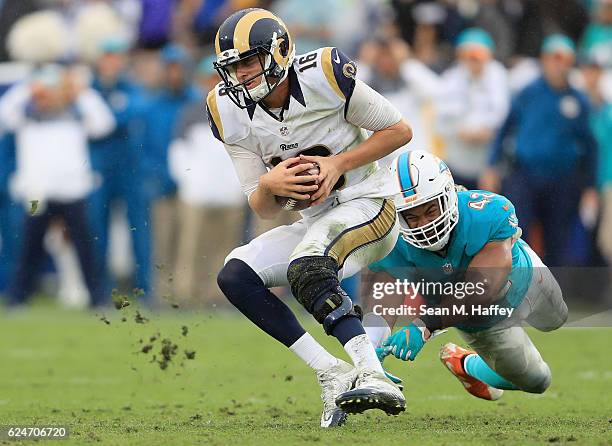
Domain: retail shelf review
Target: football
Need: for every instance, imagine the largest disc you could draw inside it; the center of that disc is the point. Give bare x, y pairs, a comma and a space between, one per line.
291, 204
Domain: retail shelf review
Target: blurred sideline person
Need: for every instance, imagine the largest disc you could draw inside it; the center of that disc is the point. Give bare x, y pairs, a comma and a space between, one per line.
119, 163
407, 83
601, 123
312, 27
11, 212
472, 103
161, 115
554, 162
597, 37
52, 117
273, 110
462, 238
211, 202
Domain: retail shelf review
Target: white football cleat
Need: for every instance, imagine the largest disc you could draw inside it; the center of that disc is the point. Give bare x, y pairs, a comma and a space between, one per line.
373, 390
333, 382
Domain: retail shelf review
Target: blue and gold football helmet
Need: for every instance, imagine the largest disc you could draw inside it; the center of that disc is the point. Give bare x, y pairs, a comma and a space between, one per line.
253, 32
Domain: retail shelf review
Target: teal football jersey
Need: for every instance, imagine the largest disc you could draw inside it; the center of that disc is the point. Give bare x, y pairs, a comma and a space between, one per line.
483, 217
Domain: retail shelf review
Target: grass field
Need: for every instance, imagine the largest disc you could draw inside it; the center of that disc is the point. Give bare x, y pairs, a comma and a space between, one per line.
70, 368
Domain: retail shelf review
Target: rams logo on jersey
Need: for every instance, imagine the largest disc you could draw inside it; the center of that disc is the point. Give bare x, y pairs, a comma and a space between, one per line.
349, 69
292, 146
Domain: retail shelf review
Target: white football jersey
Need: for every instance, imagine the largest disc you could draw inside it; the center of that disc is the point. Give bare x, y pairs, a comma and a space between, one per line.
321, 84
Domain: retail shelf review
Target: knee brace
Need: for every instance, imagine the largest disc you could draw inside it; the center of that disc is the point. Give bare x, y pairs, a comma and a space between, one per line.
314, 283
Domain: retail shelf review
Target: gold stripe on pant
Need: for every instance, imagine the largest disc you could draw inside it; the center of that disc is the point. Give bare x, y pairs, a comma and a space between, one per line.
351, 239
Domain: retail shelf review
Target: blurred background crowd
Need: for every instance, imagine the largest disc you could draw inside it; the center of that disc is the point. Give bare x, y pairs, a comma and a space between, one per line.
110, 177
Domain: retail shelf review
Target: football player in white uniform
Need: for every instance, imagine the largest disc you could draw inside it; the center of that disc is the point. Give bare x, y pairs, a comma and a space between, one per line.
295, 128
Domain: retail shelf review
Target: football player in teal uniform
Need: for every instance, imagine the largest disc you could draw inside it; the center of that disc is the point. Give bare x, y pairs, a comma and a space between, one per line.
487, 282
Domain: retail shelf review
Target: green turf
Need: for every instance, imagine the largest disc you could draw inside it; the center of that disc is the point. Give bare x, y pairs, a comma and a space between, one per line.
70, 368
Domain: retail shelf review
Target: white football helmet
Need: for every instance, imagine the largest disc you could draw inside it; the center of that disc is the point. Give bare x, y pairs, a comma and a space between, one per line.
422, 177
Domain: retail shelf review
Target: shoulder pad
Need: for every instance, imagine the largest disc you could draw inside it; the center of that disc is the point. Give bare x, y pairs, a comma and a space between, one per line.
490, 217
330, 67
227, 121
214, 117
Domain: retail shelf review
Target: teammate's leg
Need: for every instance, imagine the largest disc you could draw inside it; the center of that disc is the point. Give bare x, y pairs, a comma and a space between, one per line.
507, 359
11, 226
518, 188
31, 252
378, 327
559, 204
249, 272
138, 206
514, 362
364, 230
98, 213
360, 229
191, 218
546, 310
77, 224
252, 269
248, 293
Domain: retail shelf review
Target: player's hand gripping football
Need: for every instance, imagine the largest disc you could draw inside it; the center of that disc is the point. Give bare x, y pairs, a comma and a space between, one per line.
330, 171
282, 180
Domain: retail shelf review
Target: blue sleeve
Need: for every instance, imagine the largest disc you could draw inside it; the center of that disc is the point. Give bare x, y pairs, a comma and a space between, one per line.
497, 146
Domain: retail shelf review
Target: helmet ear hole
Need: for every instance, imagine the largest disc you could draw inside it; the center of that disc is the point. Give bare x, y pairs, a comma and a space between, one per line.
283, 48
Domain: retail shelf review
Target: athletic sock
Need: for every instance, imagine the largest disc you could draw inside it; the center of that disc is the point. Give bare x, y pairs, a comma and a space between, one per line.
475, 366
362, 353
376, 328
313, 353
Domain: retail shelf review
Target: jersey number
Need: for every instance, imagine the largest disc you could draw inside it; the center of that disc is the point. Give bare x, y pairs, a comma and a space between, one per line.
311, 57
480, 203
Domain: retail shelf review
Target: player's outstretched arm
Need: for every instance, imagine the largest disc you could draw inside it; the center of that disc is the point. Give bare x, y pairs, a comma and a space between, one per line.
490, 269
